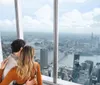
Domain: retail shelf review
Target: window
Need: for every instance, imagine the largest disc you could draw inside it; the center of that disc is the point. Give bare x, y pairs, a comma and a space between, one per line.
38, 31
7, 25
79, 22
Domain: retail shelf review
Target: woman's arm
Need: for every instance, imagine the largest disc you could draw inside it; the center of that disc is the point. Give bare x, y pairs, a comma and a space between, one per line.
1, 72
9, 77
39, 77
2, 67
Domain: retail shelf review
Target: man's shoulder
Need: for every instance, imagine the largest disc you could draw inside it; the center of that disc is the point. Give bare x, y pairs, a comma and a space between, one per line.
11, 62
10, 57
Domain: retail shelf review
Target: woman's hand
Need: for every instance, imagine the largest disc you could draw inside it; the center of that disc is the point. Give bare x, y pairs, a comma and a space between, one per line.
31, 82
3, 64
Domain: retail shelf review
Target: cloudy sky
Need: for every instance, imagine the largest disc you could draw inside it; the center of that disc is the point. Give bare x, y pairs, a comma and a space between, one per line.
75, 16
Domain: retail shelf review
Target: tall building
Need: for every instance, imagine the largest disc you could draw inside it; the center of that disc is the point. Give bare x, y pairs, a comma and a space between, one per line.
92, 40
76, 68
92, 36
90, 65
43, 58
76, 59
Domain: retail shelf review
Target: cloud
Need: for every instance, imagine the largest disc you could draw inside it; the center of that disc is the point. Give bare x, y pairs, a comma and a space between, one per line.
78, 22
41, 22
7, 25
6, 2
29, 24
73, 21
69, 1
44, 14
73, 1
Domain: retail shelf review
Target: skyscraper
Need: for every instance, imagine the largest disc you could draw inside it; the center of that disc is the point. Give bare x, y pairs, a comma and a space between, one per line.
90, 65
76, 68
76, 59
43, 58
92, 36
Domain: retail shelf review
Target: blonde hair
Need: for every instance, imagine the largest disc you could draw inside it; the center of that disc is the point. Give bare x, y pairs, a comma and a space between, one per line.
25, 63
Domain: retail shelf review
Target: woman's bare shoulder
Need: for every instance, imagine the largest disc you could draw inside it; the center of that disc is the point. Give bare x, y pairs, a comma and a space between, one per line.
36, 63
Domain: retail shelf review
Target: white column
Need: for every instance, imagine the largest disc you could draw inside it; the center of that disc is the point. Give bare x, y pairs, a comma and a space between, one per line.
18, 13
55, 67
1, 56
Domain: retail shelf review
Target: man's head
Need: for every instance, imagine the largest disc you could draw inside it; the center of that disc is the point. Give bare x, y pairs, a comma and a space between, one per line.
17, 44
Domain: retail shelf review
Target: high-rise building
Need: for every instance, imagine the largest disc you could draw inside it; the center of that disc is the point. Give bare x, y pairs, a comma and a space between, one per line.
43, 58
92, 36
76, 68
90, 65
76, 59
98, 75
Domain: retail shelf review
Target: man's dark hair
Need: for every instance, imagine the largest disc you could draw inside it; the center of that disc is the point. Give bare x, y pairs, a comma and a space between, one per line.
17, 44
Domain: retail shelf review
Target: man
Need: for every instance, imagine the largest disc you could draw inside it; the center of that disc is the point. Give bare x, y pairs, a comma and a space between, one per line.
16, 47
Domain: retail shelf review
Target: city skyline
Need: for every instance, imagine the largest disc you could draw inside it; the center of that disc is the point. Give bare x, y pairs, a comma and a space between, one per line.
86, 47
75, 16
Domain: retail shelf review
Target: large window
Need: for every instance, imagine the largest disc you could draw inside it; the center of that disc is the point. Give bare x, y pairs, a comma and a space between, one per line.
38, 31
7, 25
79, 44
79, 40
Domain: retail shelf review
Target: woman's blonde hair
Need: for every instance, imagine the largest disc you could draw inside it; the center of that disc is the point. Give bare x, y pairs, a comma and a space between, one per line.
25, 63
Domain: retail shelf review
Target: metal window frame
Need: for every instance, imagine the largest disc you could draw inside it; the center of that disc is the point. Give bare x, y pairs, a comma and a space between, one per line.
20, 33
18, 25
56, 36
18, 14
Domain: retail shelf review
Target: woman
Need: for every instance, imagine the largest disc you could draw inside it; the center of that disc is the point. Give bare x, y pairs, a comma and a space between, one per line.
27, 69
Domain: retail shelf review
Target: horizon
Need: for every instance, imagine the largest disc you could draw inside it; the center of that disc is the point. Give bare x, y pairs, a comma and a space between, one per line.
63, 33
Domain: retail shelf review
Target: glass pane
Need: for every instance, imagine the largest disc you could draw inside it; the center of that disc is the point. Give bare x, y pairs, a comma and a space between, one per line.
7, 25
38, 31
79, 44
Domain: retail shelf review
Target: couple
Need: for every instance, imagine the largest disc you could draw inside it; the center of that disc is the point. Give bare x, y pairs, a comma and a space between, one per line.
20, 66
